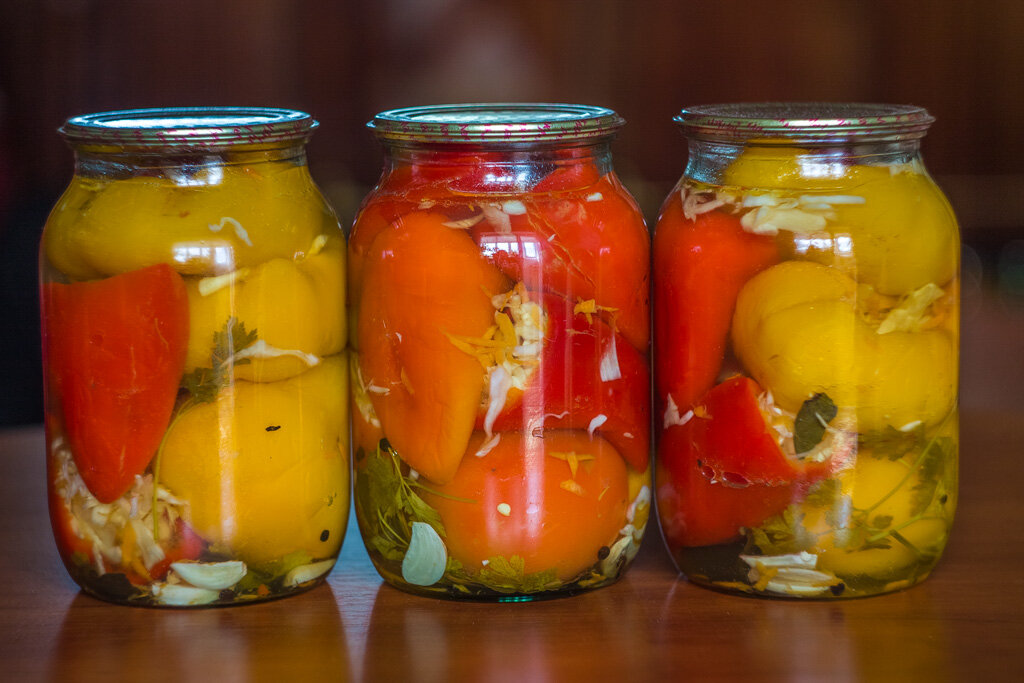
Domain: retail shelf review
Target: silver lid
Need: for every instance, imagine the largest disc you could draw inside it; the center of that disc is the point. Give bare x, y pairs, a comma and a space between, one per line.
188, 128
496, 123
804, 122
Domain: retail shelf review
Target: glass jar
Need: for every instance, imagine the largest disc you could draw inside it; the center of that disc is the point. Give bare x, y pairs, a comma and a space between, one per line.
499, 294
192, 284
806, 284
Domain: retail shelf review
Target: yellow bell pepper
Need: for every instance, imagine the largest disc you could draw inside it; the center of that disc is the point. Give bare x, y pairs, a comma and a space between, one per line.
777, 166
264, 467
887, 226
295, 307
225, 218
798, 331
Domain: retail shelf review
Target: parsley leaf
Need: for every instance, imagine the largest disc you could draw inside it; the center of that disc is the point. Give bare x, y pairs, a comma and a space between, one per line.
389, 504
809, 427
890, 443
930, 470
506, 575
205, 383
782, 534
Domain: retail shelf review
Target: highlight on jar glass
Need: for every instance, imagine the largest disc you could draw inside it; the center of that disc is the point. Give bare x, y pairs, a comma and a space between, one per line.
806, 286
498, 289
196, 376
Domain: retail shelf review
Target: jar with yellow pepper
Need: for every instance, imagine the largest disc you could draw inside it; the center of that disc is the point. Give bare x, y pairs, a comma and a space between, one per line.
806, 281
193, 286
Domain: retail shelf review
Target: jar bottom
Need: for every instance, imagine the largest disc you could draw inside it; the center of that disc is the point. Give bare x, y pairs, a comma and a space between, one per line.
475, 592
494, 597
116, 588
721, 568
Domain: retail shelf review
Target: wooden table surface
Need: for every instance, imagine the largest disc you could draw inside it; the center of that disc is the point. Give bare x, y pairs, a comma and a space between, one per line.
966, 623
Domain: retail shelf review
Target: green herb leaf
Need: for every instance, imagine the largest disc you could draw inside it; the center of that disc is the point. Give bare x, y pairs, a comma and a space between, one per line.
882, 521
890, 443
930, 470
509, 574
205, 383
824, 493
387, 501
811, 420
268, 573
782, 534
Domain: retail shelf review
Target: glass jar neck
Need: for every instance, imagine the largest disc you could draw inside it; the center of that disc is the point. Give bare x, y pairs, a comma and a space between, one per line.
708, 159
496, 168
115, 162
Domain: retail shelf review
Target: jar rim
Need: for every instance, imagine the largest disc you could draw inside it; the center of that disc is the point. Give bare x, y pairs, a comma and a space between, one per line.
497, 123
804, 122
188, 128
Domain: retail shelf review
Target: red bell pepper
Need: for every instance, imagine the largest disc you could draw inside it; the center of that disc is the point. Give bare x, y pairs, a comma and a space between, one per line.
68, 542
592, 245
183, 544
575, 170
567, 389
699, 268
115, 351
723, 469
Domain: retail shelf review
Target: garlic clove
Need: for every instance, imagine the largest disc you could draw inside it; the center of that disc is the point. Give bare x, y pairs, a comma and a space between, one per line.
425, 560
307, 572
178, 595
210, 575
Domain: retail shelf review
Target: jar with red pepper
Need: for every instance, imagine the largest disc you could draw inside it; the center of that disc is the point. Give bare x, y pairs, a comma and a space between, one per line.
806, 285
499, 302
192, 285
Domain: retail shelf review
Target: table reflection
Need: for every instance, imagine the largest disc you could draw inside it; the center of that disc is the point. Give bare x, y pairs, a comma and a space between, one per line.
435, 640
895, 637
297, 638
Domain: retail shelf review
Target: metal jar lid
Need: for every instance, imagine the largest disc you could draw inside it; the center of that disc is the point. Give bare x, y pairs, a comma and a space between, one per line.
804, 122
497, 123
175, 129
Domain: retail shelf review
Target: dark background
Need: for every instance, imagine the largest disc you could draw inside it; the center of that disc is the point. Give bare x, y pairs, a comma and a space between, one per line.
344, 60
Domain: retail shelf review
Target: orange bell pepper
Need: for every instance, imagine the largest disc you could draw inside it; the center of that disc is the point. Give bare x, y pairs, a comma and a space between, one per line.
424, 281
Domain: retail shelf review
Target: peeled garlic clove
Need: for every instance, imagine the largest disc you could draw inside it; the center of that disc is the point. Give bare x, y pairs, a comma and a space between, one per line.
211, 575
425, 560
307, 572
802, 559
177, 595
